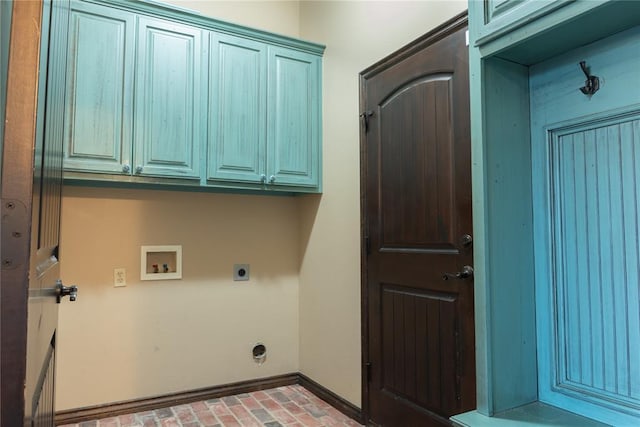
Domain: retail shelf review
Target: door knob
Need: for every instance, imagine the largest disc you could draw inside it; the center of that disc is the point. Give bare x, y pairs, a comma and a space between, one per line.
466, 240
467, 271
63, 291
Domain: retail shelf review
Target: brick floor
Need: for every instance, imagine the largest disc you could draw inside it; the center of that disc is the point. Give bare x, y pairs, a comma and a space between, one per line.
291, 406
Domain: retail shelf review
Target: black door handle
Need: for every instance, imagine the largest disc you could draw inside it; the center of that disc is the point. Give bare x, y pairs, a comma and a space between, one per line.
467, 271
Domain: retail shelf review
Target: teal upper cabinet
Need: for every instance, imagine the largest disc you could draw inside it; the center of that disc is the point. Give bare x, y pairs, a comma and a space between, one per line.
98, 100
163, 96
169, 95
293, 136
237, 109
264, 115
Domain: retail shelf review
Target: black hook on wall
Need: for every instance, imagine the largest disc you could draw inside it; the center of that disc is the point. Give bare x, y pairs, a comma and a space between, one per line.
592, 84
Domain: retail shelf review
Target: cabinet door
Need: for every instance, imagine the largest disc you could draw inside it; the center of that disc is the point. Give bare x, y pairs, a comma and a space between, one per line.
237, 116
293, 116
98, 104
169, 95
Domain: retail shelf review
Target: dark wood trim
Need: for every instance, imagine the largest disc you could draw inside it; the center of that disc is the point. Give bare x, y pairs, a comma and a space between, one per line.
364, 233
79, 415
451, 26
342, 405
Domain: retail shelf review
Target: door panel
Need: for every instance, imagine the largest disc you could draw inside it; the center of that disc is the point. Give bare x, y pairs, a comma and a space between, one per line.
594, 206
422, 171
238, 118
416, 214
417, 359
169, 96
31, 195
99, 103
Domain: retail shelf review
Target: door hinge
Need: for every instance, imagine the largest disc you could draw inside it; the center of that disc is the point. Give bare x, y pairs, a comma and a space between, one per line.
368, 368
367, 245
365, 119
15, 234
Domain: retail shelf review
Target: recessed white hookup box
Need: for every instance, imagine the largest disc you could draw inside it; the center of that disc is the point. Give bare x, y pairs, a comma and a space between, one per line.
161, 262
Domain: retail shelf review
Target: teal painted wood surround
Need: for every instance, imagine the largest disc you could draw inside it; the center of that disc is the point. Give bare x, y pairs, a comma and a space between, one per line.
173, 98
99, 92
506, 199
503, 16
586, 154
530, 31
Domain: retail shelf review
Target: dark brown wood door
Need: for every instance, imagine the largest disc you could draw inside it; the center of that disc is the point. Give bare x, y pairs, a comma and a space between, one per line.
416, 185
31, 199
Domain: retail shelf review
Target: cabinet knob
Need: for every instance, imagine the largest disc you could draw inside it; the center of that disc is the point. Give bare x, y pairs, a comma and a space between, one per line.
126, 168
263, 178
272, 179
138, 169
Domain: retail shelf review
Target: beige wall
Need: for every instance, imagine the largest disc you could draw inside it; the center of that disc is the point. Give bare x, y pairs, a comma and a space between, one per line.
281, 17
303, 301
357, 34
156, 337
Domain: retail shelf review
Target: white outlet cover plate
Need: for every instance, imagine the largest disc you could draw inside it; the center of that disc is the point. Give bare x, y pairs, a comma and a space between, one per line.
119, 277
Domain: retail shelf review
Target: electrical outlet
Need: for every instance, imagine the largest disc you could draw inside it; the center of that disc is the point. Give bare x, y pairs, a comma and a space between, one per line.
240, 272
119, 277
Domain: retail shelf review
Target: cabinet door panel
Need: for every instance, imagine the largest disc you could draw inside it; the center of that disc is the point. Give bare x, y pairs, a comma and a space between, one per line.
237, 116
98, 107
293, 118
168, 100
